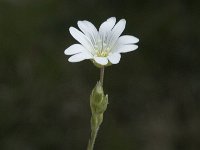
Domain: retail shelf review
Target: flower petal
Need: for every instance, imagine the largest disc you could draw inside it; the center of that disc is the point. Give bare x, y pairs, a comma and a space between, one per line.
101, 60
126, 48
91, 27
83, 28
117, 31
107, 25
80, 37
88, 31
74, 49
128, 39
79, 57
114, 58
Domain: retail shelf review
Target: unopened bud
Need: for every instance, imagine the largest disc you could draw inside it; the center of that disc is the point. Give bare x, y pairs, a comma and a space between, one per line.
98, 101
96, 120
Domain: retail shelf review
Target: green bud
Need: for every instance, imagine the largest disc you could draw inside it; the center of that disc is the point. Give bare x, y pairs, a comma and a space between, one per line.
96, 121
98, 101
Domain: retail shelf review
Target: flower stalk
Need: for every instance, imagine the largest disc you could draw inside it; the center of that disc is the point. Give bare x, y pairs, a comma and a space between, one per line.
98, 105
101, 75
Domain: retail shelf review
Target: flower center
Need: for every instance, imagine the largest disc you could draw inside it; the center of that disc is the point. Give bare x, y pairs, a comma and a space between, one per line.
102, 53
101, 49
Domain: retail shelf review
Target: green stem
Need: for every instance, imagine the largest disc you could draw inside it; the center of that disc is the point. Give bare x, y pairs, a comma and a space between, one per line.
96, 119
101, 75
92, 139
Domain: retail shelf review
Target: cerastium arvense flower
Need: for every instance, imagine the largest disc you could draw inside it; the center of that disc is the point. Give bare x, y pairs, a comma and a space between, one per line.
103, 47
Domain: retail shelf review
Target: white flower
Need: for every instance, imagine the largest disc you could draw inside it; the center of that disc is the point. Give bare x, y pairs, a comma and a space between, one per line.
103, 47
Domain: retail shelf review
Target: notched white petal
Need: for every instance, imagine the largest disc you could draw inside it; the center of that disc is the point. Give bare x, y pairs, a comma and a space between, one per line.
74, 49
80, 37
126, 48
112, 19
79, 57
114, 58
83, 27
107, 25
101, 60
92, 28
117, 31
87, 30
128, 39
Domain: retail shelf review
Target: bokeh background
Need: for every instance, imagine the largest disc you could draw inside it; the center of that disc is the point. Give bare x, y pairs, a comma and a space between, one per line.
154, 92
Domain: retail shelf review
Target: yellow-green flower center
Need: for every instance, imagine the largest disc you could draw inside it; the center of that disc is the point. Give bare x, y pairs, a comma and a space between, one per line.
102, 53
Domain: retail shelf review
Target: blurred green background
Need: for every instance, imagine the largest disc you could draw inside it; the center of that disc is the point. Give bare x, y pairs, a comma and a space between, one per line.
154, 92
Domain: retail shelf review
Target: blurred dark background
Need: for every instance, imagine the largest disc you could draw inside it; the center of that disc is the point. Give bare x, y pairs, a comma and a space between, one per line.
154, 92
